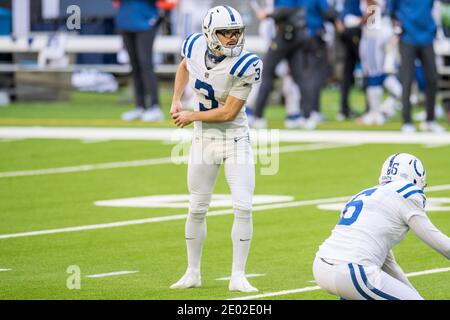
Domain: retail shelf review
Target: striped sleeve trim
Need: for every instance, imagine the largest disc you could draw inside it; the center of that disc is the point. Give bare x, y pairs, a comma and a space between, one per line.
406, 190
247, 65
189, 43
242, 62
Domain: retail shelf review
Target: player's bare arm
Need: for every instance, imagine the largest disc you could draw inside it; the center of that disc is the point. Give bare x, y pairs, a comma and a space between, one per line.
181, 81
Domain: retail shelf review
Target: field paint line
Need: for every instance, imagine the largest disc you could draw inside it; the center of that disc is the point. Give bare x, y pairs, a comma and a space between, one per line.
431, 271
305, 289
4, 270
91, 167
437, 188
94, 141
166, 218
158, 161
279, 293
159, 134
435, 146
10, 140
251, 275
307, 147
182, 216
110, 274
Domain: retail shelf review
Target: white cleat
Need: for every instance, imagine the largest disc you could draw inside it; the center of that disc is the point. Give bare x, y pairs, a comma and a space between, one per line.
371, 118
408, 128
259, 123
189, 280
240, 283
152, 115
132, 115
294, 123
431, 126
310, 124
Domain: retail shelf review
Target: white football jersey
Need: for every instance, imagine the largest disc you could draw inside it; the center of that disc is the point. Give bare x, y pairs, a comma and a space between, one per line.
373, 222
233, 76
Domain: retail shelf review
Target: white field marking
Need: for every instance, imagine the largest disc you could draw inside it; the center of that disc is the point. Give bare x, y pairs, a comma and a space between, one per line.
110, 274
10, 140
4, 270
158, 161
285, 292
89, 141
431, 271
178, 217
90, 167
166, 218
182, 201
251, 275
437, 188
435, 146
158, 134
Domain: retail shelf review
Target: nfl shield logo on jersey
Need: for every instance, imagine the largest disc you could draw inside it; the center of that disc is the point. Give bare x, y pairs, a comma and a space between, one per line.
206, 75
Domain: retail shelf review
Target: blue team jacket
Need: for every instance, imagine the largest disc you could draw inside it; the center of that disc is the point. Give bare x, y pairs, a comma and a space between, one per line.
415, 16
136, 15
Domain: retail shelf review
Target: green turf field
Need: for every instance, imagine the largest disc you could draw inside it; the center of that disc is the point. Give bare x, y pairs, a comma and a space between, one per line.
34, 266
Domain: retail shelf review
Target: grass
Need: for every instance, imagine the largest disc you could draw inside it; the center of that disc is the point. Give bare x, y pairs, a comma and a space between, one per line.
285, 240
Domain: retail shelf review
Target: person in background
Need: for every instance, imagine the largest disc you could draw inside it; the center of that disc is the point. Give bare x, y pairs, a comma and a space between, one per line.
138, 21
350, 36
417, 27
291, 91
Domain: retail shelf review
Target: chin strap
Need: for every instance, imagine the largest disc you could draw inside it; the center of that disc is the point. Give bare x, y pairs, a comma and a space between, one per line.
215, 58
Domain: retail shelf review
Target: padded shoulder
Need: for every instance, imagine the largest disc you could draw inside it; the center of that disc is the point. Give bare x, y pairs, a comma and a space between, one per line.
191, 43
247, 65
412, 194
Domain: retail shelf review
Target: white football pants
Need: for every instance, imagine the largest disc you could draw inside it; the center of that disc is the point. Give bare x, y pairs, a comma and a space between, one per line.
351, 281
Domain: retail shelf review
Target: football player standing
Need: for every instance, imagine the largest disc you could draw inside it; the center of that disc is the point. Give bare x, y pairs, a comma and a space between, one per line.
222, 74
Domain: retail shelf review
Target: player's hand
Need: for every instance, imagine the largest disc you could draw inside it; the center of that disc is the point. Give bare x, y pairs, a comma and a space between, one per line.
183, 118
340, 28
261, 14
175, 108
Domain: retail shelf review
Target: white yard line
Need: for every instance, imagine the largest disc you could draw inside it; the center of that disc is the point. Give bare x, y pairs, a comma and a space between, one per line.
158, 134
110, 274
90, 167
305, 289
435, 146
4, 270
431, 271
166, 218
437, 188
251, 275
183, 216
158, 161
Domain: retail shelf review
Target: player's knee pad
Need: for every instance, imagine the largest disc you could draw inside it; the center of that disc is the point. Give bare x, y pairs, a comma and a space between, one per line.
242, 213
198, 206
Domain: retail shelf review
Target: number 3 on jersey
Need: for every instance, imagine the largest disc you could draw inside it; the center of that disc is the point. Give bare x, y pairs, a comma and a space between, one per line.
209, 95
349, 217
